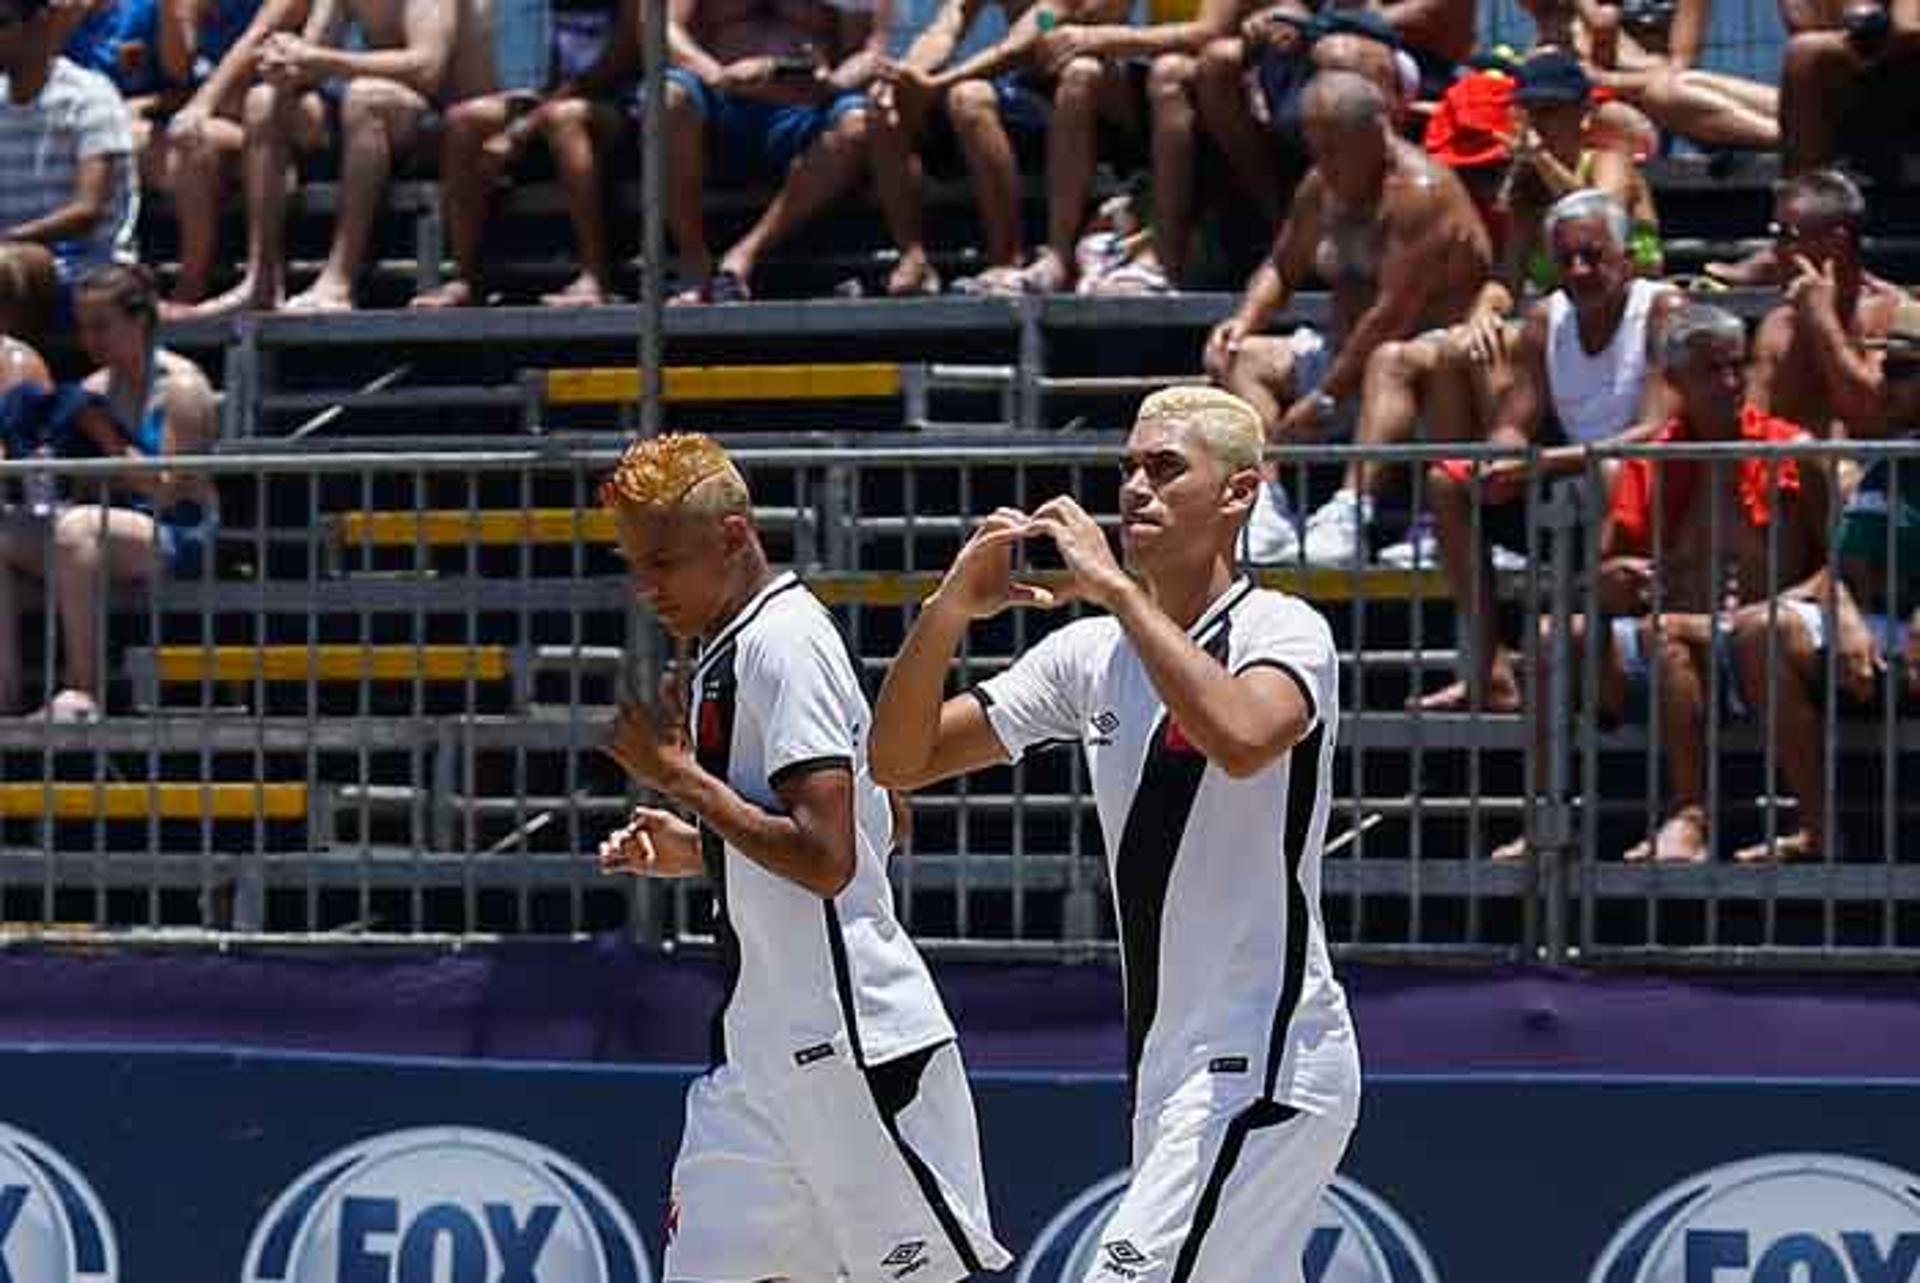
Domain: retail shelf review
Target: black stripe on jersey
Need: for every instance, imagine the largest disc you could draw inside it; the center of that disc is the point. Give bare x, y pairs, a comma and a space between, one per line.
1149, 843
894, 1086
1299, 679
713, 749
724, 639
808, 765
843, 979
1303, 790
1260, 1114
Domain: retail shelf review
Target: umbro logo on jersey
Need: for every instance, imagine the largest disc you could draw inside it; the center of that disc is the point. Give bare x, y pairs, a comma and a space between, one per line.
1120, 1257
906, 1258
1107, 722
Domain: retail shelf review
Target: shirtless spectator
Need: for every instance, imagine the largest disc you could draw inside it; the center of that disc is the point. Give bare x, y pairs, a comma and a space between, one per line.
380, 101
1876, 620
1033, 81
583, 116
1811, 364
1585, 361
1395, 238
770, 89
67, 196
1668, 578
195, 153
1849, 83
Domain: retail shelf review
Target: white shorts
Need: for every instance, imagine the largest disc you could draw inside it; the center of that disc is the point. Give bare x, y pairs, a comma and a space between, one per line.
827, 1169
1222, 1195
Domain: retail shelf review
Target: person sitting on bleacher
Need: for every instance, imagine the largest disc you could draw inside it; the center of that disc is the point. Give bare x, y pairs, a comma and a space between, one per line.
1396, 239
770, 90
1876, 615
1850, 87
195, 152
586, 114
1810, 363
144, 401
1675, 560
1583, 369
378, 102
67, 194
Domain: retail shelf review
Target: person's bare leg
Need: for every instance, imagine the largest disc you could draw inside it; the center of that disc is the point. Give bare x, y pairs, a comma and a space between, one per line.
1816, 79
379, 119
1392, 391
994, 170
1073, 142
1220, 91
686, 188
899, 179
1170, 93
1262, 376
573, 132
92, 547
1612, 692
823, 174
1685, 835
464, 197
1796, 730
198, 175
274, 121
1488, 683
1693, 109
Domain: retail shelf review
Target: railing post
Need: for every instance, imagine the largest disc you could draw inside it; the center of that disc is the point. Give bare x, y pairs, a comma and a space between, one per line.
1552, 842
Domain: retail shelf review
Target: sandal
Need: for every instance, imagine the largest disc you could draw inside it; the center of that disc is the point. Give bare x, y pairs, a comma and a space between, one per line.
725, 287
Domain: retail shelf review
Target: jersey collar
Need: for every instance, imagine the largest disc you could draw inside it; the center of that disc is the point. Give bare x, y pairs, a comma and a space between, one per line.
1221, 605
780, 583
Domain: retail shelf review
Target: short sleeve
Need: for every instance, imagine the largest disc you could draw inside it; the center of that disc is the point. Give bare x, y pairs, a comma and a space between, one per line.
1291, 636
803, 692
102, 127
1038, 699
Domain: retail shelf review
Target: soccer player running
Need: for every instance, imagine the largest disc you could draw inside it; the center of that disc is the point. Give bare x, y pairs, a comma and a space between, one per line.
1206, 708
834, 1135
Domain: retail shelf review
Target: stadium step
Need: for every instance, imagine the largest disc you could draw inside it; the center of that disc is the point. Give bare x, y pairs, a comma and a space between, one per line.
140, 802
153, 669
441, 528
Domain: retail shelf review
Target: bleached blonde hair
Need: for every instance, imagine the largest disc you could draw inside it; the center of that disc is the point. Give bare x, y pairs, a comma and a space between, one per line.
1229, 428
679, 473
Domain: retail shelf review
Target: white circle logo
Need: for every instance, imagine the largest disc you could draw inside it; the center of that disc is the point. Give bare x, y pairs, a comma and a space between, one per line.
446, 1205
1785, 1218
53, 1228
1356, 1238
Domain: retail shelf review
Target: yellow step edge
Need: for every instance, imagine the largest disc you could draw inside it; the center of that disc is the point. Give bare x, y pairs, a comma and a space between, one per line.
454, 528
1318, 584
696, 383
330, 663
226, 801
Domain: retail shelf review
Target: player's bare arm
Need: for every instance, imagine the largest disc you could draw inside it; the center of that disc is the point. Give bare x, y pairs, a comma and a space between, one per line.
919, 737
1240, 722
810, 846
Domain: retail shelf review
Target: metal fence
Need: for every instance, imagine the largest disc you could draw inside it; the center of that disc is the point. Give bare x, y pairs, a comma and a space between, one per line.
375, 710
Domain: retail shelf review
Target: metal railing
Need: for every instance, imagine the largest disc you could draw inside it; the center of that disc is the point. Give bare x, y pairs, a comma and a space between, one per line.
375, 711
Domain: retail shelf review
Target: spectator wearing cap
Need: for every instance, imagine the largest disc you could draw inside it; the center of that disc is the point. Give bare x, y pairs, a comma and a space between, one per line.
1678, 552
1875, 605
67, 195
1554, 153
1811, 363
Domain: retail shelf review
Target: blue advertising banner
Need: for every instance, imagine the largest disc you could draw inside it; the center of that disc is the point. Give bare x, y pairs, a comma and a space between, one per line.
155, 1165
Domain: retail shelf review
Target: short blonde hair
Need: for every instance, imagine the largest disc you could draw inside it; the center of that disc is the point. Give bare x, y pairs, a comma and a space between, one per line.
1227, 425
681, 472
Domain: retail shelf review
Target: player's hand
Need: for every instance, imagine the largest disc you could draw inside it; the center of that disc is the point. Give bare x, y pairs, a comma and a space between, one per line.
1223, 347
1095, 573
980, 582
650, 745
653, 844
1859, 661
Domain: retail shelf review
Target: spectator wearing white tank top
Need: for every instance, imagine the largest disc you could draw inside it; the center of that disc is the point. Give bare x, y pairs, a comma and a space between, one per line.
1585, 353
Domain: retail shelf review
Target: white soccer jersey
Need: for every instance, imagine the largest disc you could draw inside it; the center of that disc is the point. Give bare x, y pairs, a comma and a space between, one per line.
1216, 880
775, 692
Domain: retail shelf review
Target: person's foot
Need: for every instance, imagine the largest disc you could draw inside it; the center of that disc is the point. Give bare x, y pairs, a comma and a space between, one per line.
244, 297
323, 297
912, 277
1336, 532
68, 707
1756, 271
1501, 695
1048, 273
584, 290
1509, 852
1788, 848
455, 293
995, 282
1682, 839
